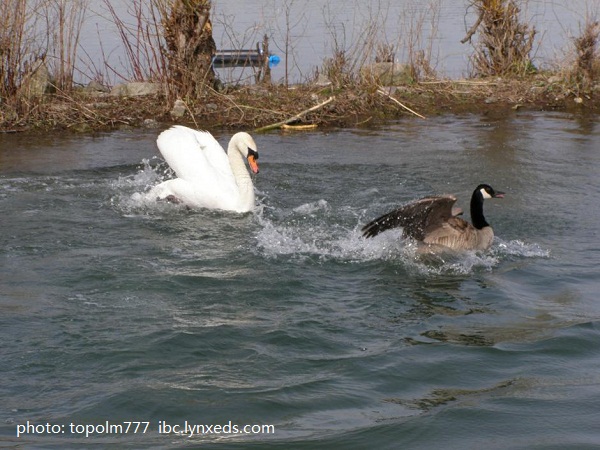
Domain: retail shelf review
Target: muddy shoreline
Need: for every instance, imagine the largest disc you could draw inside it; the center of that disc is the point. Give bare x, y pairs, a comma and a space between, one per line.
256, 106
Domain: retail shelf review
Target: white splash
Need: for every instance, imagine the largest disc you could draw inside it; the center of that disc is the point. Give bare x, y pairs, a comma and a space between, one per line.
519, 248
319, 232
131, 191
311, 208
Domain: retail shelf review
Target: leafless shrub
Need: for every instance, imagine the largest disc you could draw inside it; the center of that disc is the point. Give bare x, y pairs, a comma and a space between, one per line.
64, 20
419, 43
351, 53
20, 50
385, 53
505, 42
231, 38
337, 69
288, 37
142, 41
189, 45
587, 64
413, 45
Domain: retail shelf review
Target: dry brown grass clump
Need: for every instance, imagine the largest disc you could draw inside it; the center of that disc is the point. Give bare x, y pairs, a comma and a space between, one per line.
505, 42
587, 66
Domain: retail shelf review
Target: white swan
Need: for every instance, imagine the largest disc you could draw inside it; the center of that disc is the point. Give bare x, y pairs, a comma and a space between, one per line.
207, 177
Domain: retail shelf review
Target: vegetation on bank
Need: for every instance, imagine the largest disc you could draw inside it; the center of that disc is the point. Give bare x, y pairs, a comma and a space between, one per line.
171, 46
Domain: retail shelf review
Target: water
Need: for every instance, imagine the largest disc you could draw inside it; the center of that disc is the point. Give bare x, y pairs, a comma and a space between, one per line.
117, 310
305, 33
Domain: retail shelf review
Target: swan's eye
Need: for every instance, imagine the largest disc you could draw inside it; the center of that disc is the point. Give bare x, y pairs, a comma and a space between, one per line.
253, 153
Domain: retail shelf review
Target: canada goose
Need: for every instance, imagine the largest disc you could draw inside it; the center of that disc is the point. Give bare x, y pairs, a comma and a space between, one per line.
434, 221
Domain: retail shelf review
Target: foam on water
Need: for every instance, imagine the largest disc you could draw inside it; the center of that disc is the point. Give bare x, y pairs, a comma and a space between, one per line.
319, 231
131, 191
310, 231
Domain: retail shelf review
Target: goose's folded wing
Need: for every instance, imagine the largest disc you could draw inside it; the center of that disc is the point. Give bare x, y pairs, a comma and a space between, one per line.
453, 233
195, 156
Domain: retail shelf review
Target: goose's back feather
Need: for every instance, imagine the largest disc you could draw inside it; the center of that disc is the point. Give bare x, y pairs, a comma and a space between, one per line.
457, 234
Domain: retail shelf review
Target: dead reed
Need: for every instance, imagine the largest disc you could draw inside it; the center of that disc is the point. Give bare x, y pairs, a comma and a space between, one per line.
64, 20
141, 36
20, 53
504, 40
587, 65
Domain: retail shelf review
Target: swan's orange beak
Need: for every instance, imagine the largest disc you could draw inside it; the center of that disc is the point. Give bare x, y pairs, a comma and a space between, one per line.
253, 163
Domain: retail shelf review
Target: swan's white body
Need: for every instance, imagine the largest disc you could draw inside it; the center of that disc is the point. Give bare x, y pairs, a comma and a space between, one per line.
207, 177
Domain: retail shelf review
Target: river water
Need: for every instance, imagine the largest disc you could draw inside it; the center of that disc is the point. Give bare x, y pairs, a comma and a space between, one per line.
306, 33
116, 311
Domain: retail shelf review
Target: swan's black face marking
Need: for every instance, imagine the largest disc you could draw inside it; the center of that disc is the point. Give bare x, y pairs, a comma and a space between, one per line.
252, 157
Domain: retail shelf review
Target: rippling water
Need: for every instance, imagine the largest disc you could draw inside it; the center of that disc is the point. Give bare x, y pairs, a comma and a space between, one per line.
117, 310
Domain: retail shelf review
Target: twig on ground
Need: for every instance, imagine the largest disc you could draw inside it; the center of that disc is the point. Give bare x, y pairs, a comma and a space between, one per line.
385, 94
294, 118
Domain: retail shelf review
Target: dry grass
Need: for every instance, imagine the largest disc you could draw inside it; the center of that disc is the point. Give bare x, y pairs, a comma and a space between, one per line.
587, 66
356, 105
504, 40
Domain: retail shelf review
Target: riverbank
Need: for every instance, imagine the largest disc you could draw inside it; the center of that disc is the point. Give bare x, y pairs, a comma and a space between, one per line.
256, 106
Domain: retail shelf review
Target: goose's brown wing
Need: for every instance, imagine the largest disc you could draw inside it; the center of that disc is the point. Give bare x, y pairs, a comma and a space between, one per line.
417, 218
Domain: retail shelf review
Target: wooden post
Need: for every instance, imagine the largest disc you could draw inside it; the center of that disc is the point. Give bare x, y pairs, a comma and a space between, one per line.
266, 68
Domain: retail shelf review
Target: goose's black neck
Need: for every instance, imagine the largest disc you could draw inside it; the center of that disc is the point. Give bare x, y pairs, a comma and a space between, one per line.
477, 217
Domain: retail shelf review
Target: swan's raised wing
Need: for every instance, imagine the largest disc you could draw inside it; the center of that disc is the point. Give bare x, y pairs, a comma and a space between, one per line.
195, 156
417, 218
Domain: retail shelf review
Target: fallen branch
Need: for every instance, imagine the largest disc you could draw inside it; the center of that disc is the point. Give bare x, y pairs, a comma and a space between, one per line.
294, 118
475, 83
385, 94
310, 126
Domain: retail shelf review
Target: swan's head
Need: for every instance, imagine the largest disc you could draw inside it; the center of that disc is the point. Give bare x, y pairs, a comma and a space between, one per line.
247, 147
487, 191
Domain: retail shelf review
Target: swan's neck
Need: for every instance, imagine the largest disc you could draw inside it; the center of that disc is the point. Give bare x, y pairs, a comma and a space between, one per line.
242, 177
477, 217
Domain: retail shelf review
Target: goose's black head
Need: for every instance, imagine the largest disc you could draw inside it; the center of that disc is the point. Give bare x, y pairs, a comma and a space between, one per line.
487, 191
480, 193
